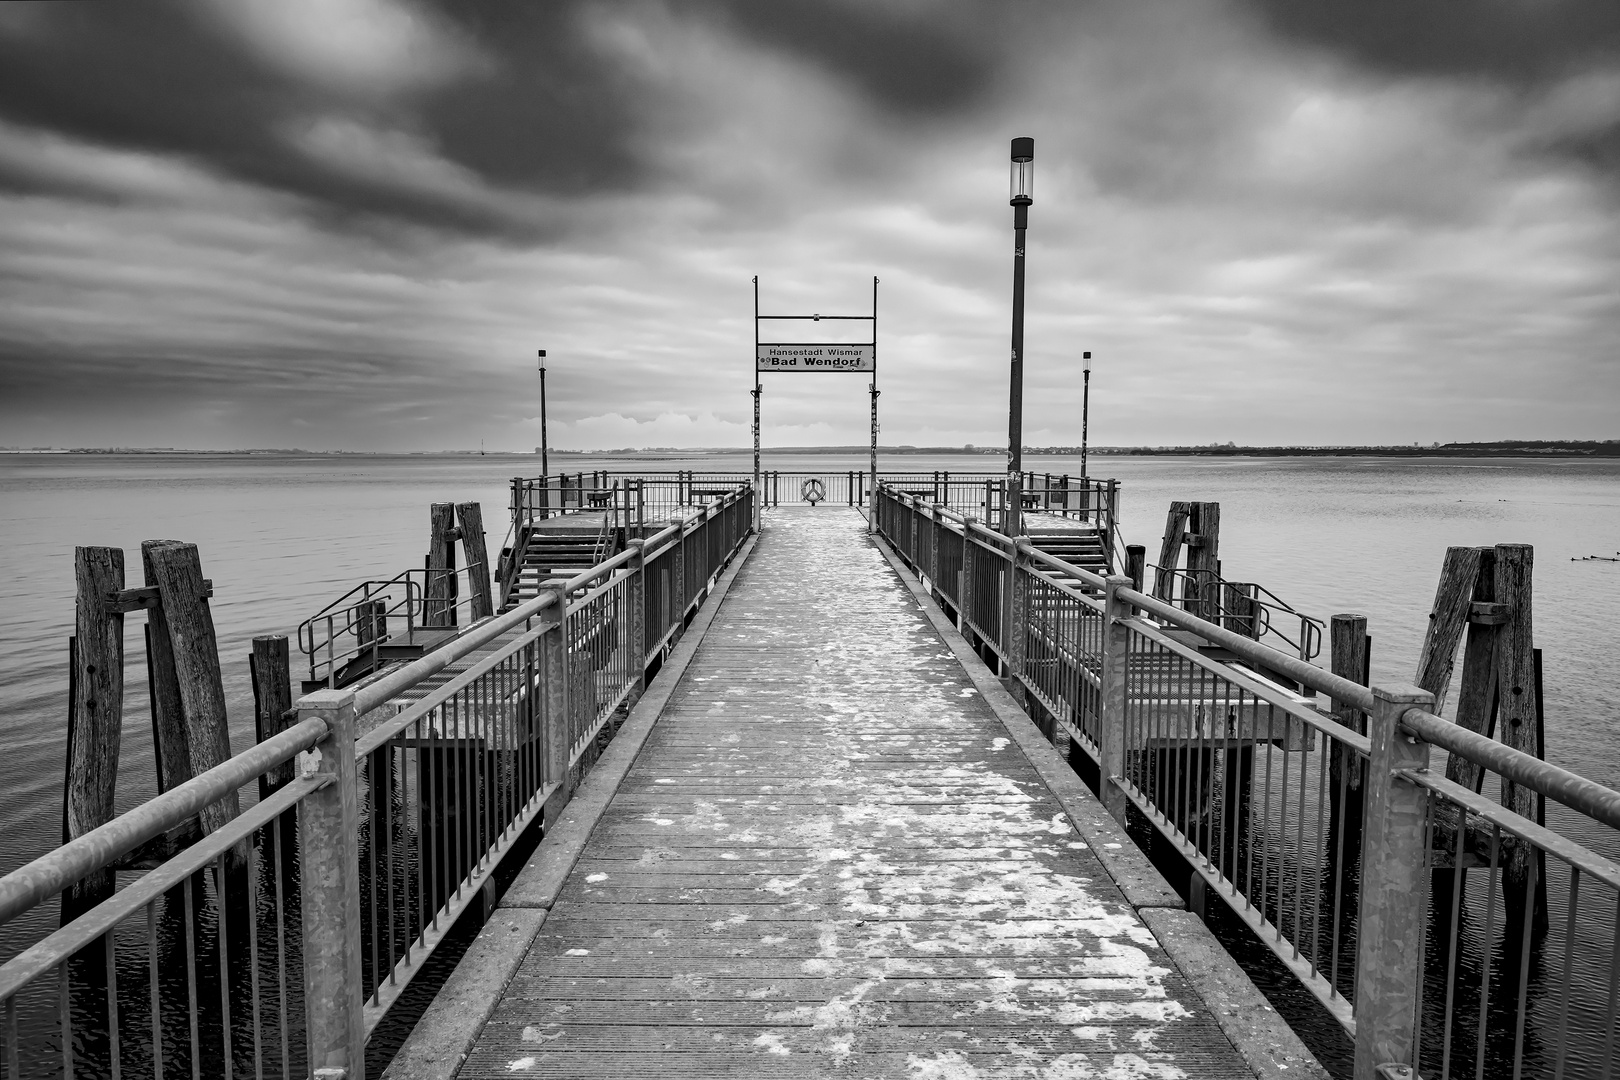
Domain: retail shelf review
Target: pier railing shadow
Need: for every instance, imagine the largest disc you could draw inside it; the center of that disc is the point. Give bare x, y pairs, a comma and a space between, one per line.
1446, 934
278, 943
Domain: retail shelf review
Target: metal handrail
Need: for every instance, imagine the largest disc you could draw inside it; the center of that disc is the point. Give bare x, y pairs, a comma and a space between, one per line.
54, 871
1585, 796
1311, 627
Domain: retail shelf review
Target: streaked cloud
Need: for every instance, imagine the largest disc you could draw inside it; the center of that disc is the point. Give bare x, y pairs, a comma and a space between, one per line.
351, 225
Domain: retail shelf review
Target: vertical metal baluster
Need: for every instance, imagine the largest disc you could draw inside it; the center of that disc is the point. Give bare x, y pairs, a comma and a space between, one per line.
224, 966
1455, 943
373, 797
1282, 840
1351, 762
1569, 964
1249, 826
1524, 963
1265, 815
440, 838
65, 1004
1424, 888
281, 943
1299, 848
191, 979
13, 1056
1326, 743
115, 1052
389, 749
253, 958
1485, 953
1614, 993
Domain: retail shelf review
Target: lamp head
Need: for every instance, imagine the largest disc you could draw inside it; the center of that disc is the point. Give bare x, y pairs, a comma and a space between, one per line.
1088, 361
1021, 184
542, 359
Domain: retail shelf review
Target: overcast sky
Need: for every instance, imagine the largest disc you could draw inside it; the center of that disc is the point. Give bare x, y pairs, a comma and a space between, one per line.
349, 224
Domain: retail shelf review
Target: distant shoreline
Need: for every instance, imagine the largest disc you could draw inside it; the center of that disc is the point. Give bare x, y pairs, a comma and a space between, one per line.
1534, 448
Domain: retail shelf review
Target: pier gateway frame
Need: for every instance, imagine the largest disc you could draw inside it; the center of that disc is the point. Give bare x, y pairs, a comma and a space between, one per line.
818, 356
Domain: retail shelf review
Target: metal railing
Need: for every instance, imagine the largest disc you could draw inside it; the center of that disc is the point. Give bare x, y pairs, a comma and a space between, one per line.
276, 944
1341, 850
374, 615
1245, 607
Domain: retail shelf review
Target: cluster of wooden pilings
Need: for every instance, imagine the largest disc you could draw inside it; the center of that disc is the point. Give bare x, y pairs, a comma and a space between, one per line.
190, 734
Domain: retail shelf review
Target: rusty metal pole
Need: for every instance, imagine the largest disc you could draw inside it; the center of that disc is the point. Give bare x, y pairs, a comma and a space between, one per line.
1389, 961
329, 871
1111, 701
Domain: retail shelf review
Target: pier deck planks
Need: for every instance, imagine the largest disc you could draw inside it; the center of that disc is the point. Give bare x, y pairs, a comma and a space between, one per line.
831, 859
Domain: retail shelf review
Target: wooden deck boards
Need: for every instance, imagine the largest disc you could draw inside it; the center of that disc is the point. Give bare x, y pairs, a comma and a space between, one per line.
830, 859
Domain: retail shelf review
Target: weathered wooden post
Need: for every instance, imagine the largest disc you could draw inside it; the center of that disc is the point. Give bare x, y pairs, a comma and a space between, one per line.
270, 666
1516, 694
1349, 650
1175, 536
1111, 702
1136, 565
188, 693
1204, 560
470, 521
439, 600
329, 872
1237, 603
1393, 887
95, 710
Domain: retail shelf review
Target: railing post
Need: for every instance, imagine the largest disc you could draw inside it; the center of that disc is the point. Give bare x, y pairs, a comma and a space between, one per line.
679, 570
1389, 960
933, 548
636, 632
329, 872
555, 726
964, 588
1015, 616
1111, 702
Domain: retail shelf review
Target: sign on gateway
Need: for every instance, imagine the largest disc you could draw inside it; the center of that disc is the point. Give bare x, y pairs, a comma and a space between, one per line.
817, 358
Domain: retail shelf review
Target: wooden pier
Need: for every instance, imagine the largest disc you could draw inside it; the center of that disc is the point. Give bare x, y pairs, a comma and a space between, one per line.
833, 856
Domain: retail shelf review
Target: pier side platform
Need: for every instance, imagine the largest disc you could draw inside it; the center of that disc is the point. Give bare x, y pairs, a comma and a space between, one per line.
831, 854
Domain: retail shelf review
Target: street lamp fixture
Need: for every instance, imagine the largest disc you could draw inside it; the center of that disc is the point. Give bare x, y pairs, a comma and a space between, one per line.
545, 471
1085, 416
1021, 188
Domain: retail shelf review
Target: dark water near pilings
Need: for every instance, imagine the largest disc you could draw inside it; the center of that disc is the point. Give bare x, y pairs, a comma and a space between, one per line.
281, 535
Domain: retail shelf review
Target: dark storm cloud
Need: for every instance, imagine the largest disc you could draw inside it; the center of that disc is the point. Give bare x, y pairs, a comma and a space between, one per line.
1497, 39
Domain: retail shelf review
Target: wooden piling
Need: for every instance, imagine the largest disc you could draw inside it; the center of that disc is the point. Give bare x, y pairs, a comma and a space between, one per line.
1516, 697
439, 603
470, 519
1349, 657
1476, 690
1136, 565
185, 672
1204, 560
1175, 535
271, 667
96, 711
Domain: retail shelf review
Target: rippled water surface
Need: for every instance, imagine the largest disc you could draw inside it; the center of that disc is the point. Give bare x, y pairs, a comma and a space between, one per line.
282, 535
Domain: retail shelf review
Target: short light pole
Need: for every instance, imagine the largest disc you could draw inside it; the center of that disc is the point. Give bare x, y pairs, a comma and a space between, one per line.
545, 464
1021, 192
1085, 416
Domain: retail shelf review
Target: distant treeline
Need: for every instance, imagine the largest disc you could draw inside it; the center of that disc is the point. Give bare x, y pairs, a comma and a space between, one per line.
1500, 448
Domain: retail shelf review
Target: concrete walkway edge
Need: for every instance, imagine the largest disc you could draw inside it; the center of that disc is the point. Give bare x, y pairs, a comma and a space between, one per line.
1268, 1045
441, 1039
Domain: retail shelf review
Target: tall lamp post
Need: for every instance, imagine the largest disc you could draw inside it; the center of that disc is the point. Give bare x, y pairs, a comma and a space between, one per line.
1085, 416
1021, 191
545, 464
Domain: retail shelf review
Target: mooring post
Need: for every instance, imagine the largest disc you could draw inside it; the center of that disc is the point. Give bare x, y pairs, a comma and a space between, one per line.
1135, 564
1111, 710
329, 871
95, 710
188, 690
1516, 695
470, 520
439, 599
1348, 649
1393, 887
270, 665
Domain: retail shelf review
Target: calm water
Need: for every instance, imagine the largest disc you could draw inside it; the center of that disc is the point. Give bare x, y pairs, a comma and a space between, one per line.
280, 536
